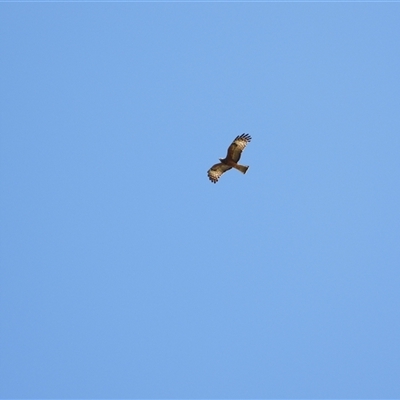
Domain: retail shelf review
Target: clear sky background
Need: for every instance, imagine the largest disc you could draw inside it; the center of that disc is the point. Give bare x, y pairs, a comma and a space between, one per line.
126, 273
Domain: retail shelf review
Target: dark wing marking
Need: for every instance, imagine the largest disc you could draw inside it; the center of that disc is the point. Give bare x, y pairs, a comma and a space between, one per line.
237, 146
216, 171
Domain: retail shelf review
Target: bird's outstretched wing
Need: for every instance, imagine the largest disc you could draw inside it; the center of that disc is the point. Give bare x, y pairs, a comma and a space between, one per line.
237, 146
216, 171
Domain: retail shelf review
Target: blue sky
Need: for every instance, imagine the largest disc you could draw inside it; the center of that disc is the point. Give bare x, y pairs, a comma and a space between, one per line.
126, 273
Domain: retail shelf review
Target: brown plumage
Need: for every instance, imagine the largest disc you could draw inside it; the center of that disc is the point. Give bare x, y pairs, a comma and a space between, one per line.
231, 159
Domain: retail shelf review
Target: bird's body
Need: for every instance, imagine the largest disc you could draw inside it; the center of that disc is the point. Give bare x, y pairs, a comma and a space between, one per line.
231, 159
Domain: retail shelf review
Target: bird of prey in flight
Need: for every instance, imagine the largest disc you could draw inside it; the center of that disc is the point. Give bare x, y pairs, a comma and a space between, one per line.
231, 159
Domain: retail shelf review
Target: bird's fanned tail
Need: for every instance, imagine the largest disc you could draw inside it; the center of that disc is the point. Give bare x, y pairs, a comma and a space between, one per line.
242, 168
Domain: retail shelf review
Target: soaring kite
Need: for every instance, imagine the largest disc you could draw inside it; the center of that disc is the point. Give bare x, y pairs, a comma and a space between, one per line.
231, 159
